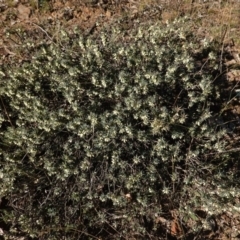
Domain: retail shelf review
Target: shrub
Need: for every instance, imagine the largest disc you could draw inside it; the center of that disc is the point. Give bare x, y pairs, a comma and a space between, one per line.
99, 132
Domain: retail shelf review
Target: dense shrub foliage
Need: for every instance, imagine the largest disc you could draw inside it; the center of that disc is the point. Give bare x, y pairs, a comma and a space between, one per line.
102, 134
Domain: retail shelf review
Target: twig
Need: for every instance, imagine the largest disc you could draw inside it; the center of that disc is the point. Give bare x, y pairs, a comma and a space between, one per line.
222, 41
8, 51
227, 151
177, 98
5, 110
50, 38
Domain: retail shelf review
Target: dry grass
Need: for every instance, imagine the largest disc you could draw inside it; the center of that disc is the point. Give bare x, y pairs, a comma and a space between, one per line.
217, 18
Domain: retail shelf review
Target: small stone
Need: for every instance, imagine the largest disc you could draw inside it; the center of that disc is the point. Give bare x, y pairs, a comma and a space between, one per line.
24, 12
